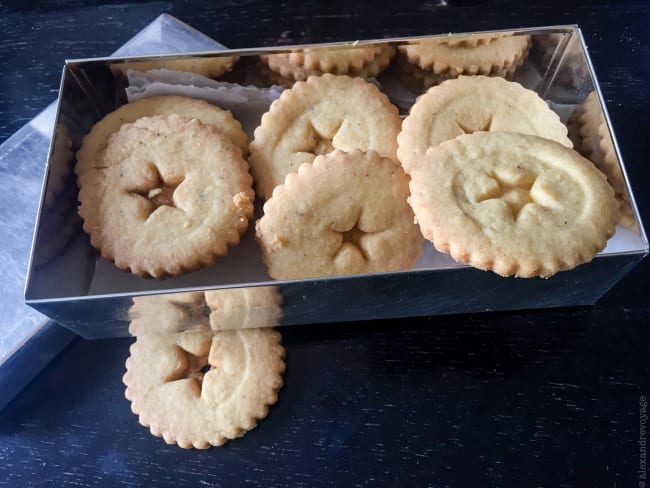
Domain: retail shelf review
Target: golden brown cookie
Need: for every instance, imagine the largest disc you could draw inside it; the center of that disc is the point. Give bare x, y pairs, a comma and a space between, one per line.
199, 388
208, 67
298, 65
344, 214
249, 307
168, 195
417, 79
481, 59
168, 313
472, 40
470, 104
225, 309
512, 203
187, 107
315, 117
589, 131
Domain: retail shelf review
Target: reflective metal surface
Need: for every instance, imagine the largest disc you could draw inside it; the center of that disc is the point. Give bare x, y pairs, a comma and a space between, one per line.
92, 297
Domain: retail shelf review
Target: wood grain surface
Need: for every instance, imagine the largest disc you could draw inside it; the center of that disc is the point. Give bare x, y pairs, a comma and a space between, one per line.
537, 398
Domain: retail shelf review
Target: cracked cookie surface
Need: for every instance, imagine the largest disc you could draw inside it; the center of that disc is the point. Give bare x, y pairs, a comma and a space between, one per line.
95, 141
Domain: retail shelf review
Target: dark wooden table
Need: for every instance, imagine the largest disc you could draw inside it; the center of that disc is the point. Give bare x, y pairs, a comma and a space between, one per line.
535, 398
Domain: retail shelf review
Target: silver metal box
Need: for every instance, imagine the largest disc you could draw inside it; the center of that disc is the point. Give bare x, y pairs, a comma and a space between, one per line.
69, 282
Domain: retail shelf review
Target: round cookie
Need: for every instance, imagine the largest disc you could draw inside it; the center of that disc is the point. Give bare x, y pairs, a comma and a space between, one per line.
315, 117
472, 40
363, 61
346, 213
199, 388
588, 129
208, 67
168, 195
470, 104
439, 57
249, 307
95, 141
512, 203
417, 79
168, 313
224, 309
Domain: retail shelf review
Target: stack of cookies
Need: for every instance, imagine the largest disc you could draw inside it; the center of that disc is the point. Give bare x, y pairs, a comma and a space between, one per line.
495, 183
364, 61
198, 379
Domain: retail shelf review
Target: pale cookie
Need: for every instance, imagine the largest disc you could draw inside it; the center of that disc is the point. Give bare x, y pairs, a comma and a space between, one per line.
168, 195
612, 170
95, 142
315, 117
199, 388
441, 58
208, 67
362, 61
346, 213
226, 309
471, 104
512, 203
588, 130
417, 79
472, 40
249, 307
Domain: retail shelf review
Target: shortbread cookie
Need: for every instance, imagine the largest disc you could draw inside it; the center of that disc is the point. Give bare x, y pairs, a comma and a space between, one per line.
472, 40
482, 59
249, 307
168, 313
168, 195
187, 107
512, 203
588, 130
344, 214
208, 67
315, 117
417, 79
470, 104
226, 309
298, 65
199, 388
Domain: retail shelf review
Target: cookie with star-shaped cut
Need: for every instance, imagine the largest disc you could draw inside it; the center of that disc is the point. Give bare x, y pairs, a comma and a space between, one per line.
193, 384
345, 213
167, 195
472, 104
512, 203
316, 117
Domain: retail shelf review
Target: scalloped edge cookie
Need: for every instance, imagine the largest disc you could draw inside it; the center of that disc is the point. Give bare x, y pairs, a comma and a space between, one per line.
496, 201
